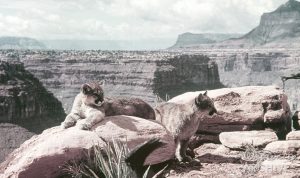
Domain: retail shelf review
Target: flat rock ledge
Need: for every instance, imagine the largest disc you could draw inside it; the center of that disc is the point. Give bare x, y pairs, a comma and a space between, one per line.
284, 147
44, 154
294, 135
239, 139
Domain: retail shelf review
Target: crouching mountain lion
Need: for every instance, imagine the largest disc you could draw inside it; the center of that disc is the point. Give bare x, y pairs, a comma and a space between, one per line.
182, 120
91, 105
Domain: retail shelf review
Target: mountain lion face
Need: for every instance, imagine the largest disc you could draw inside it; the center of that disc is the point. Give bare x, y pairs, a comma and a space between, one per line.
204, 102
92, 94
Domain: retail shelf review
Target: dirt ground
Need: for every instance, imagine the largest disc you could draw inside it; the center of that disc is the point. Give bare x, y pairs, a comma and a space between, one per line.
218, 161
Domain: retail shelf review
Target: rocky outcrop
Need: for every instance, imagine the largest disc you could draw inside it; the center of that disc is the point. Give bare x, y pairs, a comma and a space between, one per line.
279, 28
284, 147
240, 139
42, 155
23, 99
294, 135
243, 109
185, 73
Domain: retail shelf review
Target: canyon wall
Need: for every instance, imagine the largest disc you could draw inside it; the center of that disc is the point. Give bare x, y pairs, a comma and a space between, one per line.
148, 74
185, 73
26, 107
143, 74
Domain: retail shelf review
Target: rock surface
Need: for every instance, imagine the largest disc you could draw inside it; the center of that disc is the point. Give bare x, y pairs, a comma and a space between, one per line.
239, 139
294, 135
24, 100
277, 28
284, 147
243, 109
42, 155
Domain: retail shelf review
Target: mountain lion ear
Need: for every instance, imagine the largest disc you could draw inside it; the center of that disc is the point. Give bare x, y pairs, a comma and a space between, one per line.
205, 93
86, 89
198, 99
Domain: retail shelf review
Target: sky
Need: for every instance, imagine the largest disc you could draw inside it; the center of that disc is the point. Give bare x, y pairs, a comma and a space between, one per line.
128, 19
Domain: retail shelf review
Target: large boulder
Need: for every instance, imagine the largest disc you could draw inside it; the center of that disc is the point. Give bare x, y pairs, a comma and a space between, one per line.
294, 135
42, 155
243, 109
284, 147
239, 139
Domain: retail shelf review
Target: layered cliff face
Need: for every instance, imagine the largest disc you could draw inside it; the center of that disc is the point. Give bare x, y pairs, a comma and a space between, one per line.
185, 73
147, 74
23, 99
129, 74
280, 28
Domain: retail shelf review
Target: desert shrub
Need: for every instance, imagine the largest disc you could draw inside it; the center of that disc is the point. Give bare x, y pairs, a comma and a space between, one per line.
108, 162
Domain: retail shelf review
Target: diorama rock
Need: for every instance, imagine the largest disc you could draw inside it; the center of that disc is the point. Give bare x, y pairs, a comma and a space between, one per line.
284, 147
42, 155
239, 139
244, 109
294, 135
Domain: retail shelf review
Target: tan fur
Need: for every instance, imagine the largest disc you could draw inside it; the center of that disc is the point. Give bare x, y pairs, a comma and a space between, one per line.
89, 104
181, 121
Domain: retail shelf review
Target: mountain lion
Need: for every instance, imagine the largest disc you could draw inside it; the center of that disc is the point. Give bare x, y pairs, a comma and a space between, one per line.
91, 105
182, 120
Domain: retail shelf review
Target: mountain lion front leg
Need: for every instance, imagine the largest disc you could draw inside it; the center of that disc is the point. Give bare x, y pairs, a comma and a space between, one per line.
184, 145
93, 116
70, 120
181, 146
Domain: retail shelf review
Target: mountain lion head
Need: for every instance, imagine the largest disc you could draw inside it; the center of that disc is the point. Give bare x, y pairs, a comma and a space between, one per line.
92, 93
204, 102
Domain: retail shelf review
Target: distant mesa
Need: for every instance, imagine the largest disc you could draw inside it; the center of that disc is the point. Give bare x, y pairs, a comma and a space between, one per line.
10, 42
192, 39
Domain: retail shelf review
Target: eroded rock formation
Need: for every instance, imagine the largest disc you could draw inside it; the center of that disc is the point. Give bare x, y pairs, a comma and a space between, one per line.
23, 99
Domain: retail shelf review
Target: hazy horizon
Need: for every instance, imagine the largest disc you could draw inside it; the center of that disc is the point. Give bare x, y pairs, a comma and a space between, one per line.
152, 23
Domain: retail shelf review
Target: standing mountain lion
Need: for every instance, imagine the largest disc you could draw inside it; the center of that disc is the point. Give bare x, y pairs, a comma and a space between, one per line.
91, 105
182, 120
